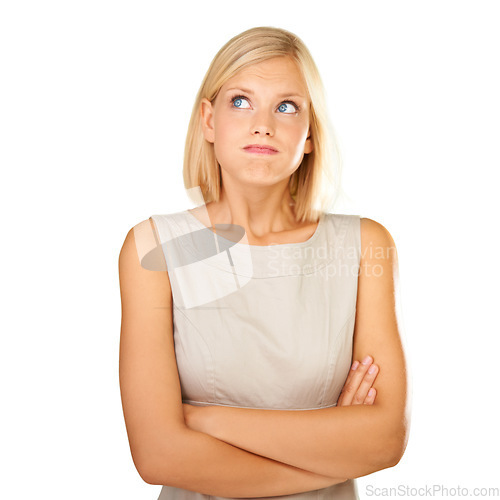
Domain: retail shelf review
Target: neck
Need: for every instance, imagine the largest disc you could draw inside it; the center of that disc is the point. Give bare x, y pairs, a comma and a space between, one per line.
259, 210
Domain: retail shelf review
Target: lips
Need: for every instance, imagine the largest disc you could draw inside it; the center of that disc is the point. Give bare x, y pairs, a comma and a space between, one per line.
260, 149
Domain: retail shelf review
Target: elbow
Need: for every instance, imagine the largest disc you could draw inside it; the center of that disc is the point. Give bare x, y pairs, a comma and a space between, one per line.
396, 446
143, 467
393, 455
384, 447
146, 475
383, 454
147, 464
155, 470
387, 447
161, 465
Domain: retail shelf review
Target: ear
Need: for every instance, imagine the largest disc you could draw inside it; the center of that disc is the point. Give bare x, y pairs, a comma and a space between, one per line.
308, 146
207, 120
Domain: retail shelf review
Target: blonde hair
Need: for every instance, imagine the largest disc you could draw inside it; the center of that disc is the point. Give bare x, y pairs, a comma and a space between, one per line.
314, 186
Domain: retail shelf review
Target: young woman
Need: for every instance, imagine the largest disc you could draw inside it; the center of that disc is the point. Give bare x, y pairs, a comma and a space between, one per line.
251, 324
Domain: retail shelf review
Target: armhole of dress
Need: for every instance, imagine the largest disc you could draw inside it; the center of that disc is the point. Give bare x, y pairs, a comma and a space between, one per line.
358, 237
155, 232
158, 247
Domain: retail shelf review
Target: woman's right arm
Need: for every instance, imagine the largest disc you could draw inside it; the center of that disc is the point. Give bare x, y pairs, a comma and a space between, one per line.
164, 450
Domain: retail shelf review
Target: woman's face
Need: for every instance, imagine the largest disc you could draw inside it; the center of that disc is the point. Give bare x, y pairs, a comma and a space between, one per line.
266, 105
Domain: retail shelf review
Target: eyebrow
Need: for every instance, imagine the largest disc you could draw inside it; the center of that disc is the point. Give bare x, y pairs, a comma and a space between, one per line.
248, 91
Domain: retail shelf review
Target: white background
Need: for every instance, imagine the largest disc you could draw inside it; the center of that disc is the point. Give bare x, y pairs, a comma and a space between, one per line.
95, 100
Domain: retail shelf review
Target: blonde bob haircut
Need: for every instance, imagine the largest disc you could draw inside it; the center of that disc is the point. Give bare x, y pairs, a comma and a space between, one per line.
314, 186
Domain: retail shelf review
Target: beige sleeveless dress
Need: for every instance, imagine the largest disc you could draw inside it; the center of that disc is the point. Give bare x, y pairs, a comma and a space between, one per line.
266, 327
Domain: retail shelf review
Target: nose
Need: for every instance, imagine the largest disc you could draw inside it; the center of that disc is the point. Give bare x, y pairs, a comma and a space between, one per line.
262, 124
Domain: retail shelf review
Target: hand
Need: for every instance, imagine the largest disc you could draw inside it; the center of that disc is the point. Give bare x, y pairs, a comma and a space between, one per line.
358, 388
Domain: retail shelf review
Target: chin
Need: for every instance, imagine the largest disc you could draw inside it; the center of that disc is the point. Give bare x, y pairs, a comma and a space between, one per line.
255, 175
260, 179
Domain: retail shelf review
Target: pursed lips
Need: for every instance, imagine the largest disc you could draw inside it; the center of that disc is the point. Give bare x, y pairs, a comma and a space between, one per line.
260, 149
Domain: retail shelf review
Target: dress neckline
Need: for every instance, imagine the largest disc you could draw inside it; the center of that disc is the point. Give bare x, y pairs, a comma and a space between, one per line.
258, 261
278, 246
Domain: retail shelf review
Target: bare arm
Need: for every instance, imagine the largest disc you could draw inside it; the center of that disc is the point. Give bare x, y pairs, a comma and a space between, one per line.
349, 441
199, 462
165, 451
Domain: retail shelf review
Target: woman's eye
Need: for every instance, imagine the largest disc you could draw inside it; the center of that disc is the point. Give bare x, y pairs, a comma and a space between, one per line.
238, 102
287, 107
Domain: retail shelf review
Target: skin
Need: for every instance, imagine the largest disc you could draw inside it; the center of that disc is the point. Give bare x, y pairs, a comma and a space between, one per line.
343, 441
255, 195
165, 449
215, 450
254, 190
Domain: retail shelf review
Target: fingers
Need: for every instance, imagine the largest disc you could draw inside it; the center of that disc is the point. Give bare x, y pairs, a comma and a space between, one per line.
370, 373
370, 398
358, 384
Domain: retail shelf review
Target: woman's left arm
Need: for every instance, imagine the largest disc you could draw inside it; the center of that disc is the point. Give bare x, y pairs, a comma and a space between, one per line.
341, 441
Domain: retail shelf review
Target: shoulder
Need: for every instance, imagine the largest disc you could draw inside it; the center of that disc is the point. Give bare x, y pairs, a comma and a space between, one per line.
372, 229
375, 239
141, 248
142, 232
371, 232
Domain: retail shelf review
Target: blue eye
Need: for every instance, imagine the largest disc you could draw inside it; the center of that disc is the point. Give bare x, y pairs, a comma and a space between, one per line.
238, 102
283, 108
